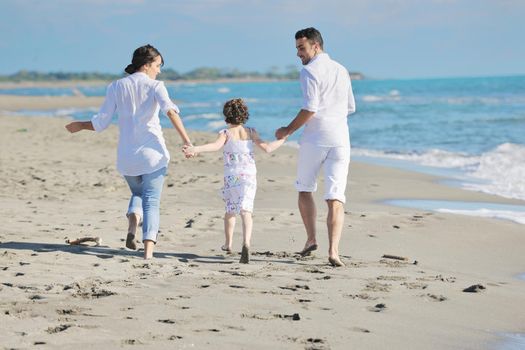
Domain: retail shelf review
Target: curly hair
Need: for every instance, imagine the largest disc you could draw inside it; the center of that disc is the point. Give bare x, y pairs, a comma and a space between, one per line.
235, 111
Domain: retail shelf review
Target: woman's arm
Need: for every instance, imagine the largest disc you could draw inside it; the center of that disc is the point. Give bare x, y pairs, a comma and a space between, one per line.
267, 147
74, 127
179, 126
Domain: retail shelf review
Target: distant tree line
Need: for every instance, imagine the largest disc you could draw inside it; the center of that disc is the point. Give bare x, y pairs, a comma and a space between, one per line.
204, 73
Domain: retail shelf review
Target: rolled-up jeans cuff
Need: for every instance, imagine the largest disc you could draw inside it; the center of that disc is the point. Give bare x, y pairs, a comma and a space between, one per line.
150, 236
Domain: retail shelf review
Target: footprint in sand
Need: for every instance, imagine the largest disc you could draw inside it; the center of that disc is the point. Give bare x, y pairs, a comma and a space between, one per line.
167, 321
58, 329
236, 286
362, 296
361, 330
476, 288
411, 285
316, 344
391, 278
434, 297
377, 287
377, 308
297, 286
293, 317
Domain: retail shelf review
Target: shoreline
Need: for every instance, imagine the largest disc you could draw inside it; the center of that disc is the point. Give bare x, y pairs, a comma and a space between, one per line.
57, 185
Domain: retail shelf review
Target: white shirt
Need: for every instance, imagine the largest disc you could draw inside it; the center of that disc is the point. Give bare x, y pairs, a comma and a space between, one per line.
137, 100
327, 91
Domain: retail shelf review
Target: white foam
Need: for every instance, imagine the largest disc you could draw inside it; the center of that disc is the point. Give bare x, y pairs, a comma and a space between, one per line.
63, 112
206, 116
223, 90
515, 216
393, 95
500, 171
216, 124
196, 104
504, 168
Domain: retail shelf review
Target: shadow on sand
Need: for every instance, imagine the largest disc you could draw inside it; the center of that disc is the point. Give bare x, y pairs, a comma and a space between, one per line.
105, 252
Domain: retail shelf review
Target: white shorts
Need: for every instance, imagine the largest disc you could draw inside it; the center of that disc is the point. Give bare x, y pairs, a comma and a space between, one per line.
333, 160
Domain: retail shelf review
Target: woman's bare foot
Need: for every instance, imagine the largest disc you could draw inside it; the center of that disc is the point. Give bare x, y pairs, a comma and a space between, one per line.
133, 224
130, 241
245, 255
148, 249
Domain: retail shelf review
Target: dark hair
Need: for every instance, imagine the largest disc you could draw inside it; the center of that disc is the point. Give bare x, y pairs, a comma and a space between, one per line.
235, 111
312, 34
143, 55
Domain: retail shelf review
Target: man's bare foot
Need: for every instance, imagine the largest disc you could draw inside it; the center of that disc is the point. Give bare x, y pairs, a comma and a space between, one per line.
308, 249
130, 241
336, 262
148, 249
245, 255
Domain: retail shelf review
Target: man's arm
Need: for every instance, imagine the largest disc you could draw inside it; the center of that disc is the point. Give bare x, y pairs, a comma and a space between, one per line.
302, 118
78, 126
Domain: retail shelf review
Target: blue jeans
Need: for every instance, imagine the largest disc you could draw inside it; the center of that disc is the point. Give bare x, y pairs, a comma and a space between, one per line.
145, 201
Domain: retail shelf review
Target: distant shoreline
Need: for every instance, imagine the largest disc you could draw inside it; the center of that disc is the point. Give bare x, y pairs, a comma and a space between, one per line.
99, 82
77, 83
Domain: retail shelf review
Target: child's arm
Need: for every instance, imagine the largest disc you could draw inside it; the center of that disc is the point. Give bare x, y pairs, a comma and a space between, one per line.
267, 147
209, 147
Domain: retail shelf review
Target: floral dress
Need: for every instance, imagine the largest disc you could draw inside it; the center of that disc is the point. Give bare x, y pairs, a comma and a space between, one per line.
240, 181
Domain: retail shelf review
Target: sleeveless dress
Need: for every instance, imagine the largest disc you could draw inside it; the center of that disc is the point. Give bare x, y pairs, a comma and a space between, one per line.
240, 174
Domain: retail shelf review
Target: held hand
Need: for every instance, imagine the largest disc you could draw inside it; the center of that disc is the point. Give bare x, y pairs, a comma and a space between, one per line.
189, 151
74, 127
281, 133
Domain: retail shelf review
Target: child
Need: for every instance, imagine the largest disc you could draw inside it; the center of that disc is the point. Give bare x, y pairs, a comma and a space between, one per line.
240, 183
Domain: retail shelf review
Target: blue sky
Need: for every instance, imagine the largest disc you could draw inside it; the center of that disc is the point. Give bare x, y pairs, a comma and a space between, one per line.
380, 38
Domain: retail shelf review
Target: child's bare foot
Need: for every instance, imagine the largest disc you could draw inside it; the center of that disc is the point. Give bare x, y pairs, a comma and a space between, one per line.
226, 249
245, 255
130, 241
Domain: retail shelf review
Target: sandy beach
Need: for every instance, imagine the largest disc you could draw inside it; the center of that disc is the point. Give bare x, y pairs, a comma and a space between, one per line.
57, 186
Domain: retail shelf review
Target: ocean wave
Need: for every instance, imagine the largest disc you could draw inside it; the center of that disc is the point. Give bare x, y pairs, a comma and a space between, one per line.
196, 104
216, 125
205, 116
500, 171
62, 112
516, 216
393, 95
510, 212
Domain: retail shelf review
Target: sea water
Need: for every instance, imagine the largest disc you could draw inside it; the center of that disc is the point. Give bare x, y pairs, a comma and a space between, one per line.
468, 129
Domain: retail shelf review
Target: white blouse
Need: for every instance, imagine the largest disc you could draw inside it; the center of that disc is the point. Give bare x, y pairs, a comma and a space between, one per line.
137, 100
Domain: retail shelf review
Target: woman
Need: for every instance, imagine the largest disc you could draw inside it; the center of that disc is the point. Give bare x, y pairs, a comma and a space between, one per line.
142, 156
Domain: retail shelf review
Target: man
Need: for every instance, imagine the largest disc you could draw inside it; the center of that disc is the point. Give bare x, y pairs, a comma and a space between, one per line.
325, 142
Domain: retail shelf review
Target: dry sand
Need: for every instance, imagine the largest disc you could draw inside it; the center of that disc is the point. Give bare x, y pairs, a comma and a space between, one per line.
56, 186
